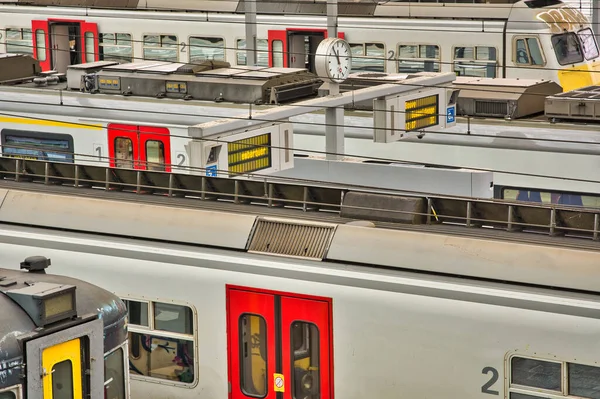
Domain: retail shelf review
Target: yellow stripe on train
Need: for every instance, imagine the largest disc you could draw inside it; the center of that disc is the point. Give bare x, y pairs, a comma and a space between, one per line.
42, 122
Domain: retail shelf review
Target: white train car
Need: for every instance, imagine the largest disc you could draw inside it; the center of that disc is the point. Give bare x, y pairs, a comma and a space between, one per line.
212, 323
524, 39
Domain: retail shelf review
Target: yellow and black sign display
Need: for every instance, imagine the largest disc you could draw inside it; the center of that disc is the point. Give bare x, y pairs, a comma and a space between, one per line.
421, 113
249, 155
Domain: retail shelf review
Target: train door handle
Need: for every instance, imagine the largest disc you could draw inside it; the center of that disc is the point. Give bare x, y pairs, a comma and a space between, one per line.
45, 373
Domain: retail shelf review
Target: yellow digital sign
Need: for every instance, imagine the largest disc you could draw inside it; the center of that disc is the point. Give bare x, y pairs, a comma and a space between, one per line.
421, 113
249, 155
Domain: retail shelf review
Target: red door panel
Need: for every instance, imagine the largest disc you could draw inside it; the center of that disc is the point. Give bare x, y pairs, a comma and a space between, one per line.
150, 136
305, 323
41, 51
251, 319
139, 147
89, 28
278, 35
298, 335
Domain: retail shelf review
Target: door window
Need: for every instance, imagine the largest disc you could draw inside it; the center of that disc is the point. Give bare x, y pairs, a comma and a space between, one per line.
155, 155
305, 360
253, 347
123, 153
62, 380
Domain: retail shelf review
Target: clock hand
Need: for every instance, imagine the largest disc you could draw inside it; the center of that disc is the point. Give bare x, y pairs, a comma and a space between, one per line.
337, 55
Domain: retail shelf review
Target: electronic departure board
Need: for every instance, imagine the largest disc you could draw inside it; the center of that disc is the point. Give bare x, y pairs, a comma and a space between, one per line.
250, 154
421, 113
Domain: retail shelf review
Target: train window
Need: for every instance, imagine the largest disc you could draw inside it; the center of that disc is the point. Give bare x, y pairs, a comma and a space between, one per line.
277, 54
253, 347
304, 344
160, 48
37, 145
536, 373
174, 318
206, 48
90, 50
479, 61
161, 346
583, 381
19, 40
62, 380
8, 395
547, 197
123, 152
138, 312
163, 357
155, 155
588, 42
567, 48
116, 47
114, 384
528, 51
262, 52
418, 58
40, 38
368, 57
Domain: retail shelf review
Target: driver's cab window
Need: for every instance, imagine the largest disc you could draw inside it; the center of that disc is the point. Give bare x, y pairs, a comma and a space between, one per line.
527, 51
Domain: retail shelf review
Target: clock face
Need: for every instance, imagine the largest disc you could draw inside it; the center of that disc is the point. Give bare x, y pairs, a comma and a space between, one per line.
339, 61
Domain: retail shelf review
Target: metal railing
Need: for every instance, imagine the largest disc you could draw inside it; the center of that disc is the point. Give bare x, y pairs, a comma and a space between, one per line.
348, 202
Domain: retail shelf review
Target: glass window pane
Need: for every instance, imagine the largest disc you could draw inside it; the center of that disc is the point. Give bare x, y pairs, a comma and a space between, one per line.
62, 380
151, 41
138, 312
124, 39
13, 34
174, 318
590, 47
162, 357
428, 51
114, 377
584, 381
41, 148
116, 47
155, 155
535, 51
277, 53
262, 52
8, 395
123, 152
108, 38
521, 55
465, 53
89, 47
253, 352
358, 49
305, 360
27, 34
567, 48
536, 373
206, 48
486, 53
545, 197
40, 38
169, 41
407, 51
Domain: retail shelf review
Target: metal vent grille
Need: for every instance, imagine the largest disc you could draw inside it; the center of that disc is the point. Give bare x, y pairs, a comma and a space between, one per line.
496, 108
285, 238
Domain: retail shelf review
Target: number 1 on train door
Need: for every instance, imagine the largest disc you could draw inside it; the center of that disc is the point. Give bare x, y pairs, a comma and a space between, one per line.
280, 345
139, 147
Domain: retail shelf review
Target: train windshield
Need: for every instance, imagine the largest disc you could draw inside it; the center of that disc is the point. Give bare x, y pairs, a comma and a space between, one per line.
567, 48
588, 43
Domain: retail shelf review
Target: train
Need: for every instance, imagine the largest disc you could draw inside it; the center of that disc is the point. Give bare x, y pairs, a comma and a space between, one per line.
526, 39
60, 337
499, 318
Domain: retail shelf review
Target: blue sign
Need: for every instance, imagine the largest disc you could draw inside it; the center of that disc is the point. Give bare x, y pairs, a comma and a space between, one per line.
211, 171
450, 114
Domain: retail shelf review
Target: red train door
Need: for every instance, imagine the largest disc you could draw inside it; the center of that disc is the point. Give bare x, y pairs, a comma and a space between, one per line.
295, 48
280, 345
139, 147
58, 43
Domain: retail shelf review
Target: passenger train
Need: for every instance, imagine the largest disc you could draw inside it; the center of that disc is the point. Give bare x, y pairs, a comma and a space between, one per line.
60, 337
222, 322
537, 39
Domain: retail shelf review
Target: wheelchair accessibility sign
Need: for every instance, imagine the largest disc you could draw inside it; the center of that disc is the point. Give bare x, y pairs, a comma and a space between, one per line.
450, 114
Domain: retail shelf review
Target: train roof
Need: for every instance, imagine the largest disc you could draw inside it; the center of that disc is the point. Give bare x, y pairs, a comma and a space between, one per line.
548, 245
15, 319
443, 9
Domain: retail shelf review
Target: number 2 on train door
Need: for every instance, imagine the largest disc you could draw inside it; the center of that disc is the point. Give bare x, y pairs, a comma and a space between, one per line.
280, 345
139, 147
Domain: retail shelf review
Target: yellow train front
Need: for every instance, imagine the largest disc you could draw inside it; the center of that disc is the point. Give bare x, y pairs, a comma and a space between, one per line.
60, 337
